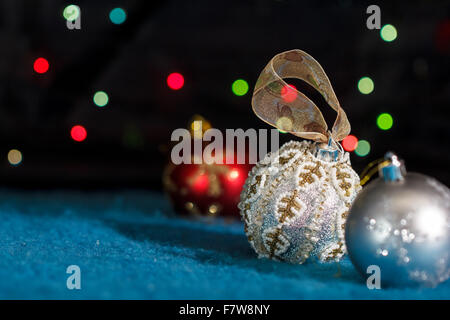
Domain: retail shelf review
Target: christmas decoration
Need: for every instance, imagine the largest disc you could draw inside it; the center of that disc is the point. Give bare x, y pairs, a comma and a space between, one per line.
295, 201
205, 189
400, 222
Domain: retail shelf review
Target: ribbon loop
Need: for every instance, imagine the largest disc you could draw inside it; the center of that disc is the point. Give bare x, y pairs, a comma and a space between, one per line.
298, 115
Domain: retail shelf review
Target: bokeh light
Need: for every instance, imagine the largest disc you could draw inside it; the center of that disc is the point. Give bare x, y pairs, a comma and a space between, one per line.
363, 148
41, 65
239, 87
388, 33
101, 98
117, 16
365, 85
14, 157
175, 81
385, 121
442, 36
198, 126
284, 124
78, 133
213, 209
233, 174
289, 93
349, 143
71, 12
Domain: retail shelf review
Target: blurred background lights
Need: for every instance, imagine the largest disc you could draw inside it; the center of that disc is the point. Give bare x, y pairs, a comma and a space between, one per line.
442, 36
365, 85
213, 209
101, 98
71, 12
284, 124
78, 133
175, 81
388, 33
234, 174
385, 121
239, 87
349, 143
197, 126
41, 65
14, 157
117, 16
362, 148
289, 93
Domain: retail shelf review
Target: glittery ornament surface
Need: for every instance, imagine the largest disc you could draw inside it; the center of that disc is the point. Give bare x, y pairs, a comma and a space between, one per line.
294, 205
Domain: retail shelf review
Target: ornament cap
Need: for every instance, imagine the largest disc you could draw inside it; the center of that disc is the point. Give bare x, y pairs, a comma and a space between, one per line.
394, 168
328, 151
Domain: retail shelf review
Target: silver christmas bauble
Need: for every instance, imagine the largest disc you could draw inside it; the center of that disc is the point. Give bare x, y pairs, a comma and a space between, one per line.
400, 222
295, 202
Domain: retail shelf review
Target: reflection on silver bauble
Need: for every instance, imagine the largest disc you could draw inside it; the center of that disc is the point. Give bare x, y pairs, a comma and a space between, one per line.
402, 227
294, 204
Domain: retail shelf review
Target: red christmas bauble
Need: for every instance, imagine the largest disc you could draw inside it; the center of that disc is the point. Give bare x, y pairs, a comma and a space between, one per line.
205, 189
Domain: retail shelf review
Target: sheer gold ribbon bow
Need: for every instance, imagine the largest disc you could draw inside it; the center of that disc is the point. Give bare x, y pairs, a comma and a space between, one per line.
297, 115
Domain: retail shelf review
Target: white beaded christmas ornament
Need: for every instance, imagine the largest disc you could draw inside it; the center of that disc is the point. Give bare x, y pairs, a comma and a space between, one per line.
295, 202
294, 205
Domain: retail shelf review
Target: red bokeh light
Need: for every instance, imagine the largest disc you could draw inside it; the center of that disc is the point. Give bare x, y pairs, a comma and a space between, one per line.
442, 37
350, 143
78, 133
175, 81
40, 65
289, 93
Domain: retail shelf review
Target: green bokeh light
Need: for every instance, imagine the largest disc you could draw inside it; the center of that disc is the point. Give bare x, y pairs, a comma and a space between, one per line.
71, 12
388, 33
365, 85
385, 121
101, 99
239, 87
363, 148
117, 16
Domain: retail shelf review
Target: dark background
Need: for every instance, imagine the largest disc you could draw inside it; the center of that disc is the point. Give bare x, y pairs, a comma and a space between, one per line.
212, 43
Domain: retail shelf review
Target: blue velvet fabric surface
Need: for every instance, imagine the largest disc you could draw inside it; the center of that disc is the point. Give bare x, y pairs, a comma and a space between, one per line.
129, 245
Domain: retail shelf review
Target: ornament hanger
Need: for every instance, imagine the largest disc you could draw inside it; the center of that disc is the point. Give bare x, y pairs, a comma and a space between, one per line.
300, 117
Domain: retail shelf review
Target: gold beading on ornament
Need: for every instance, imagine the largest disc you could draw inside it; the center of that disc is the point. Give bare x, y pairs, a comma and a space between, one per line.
299, 192
275, 241
289, 206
